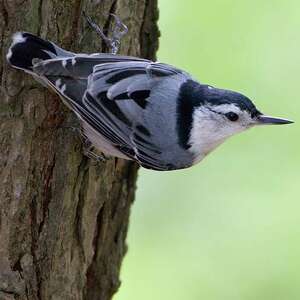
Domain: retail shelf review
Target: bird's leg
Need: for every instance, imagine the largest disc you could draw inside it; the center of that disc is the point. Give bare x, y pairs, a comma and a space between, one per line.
119, 30
89, 149
90, 153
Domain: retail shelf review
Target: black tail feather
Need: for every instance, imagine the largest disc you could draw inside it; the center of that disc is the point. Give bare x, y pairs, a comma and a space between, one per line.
26, 47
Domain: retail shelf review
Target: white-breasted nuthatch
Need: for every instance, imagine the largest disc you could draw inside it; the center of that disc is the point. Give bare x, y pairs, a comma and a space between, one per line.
137, 109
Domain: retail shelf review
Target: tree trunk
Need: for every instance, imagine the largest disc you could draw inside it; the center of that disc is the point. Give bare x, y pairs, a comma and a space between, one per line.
64, 217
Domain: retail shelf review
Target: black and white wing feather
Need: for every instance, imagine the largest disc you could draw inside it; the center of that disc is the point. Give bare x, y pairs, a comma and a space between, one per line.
124, 101
123, 98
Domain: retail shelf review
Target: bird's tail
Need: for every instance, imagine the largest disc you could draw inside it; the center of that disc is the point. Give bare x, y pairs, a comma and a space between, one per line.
27, 49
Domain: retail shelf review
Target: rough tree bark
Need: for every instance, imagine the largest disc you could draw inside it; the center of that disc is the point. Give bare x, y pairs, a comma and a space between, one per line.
64, 217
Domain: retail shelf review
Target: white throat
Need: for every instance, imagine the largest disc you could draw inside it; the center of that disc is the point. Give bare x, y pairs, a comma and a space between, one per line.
209, 131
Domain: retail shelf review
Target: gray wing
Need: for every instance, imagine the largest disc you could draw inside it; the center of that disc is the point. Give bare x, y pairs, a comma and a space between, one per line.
68, 76
133, 104
130, 102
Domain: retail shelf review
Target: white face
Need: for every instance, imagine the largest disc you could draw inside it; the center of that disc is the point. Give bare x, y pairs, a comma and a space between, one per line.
212, 125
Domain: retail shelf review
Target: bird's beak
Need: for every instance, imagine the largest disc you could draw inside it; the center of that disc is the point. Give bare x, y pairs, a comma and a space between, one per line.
267, 120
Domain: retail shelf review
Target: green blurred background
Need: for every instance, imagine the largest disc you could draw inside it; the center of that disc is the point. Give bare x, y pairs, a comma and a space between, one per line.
228, 228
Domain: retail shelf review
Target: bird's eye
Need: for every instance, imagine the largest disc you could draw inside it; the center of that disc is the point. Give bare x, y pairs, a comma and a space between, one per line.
232, 116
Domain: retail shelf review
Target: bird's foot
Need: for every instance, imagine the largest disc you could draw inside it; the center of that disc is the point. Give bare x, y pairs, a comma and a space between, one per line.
118, 31
90, 151
88, 148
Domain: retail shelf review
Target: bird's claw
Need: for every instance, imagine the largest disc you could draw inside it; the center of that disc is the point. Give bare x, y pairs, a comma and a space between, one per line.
119, 30
89, 150
90, 153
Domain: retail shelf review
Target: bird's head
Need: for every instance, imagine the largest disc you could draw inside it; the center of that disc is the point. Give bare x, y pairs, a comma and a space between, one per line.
221, 114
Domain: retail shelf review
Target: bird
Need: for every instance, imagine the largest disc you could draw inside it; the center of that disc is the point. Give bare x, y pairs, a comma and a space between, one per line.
137, 109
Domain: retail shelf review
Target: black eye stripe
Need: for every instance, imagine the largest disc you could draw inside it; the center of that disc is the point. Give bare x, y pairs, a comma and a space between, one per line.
230, 115
216, 112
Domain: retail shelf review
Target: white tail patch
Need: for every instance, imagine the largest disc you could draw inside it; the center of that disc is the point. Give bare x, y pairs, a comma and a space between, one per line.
18, 38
